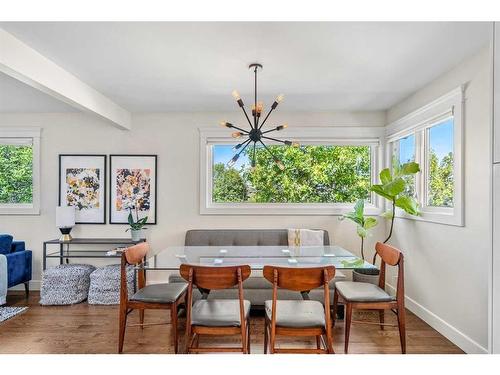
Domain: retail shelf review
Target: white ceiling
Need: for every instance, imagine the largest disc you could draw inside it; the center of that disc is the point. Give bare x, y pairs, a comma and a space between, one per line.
168, 66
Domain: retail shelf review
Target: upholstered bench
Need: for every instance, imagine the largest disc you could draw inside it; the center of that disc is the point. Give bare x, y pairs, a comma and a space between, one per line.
105, 285
65, 284
257, 290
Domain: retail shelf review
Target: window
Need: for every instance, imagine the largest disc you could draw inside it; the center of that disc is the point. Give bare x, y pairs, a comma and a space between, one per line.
19, 162
322, 176
312, 174
432, 136
440, 183
405, 152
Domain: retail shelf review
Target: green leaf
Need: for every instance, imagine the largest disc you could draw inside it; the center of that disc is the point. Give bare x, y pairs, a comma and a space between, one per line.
395, 187
379, 189
385, 176
408, 204
352, 216
396, 168
370, 222
362, 232
359, 208
410, 168
130, 218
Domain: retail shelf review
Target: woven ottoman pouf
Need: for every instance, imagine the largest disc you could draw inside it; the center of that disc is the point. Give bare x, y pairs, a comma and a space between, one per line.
65, 284
105, 285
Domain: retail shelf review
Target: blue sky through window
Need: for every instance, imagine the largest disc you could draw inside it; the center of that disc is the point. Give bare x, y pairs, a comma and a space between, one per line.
407, 149
224, 153
441, 138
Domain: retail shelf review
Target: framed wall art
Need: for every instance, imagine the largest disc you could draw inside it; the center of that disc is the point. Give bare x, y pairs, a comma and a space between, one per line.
82, 184
133, 183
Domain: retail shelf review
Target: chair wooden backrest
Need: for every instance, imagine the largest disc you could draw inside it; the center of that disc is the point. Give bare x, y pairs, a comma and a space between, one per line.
210, 277
300, 280
393, 257
133, 255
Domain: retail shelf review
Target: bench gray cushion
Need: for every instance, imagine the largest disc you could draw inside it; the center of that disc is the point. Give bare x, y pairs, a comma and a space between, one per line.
105, 285
297, 314
65, 284
218, 313
160, 293
362, 292
240, 237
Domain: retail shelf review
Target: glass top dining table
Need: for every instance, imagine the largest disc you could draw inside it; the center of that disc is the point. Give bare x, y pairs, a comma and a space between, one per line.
170, 258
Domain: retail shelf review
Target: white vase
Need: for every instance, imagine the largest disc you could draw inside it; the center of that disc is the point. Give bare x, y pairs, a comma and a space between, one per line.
136, 234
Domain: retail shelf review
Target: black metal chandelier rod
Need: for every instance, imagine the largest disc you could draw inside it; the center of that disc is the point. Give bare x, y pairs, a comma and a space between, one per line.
275, 158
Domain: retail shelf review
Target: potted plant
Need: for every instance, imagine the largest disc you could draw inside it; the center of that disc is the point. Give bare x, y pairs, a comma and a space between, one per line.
393, 187
136, 226
363, 223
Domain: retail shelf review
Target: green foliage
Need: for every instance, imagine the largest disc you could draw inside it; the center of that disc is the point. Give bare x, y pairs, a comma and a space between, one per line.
137, 224
228, 185
440, 180
363, 224
393, 187
312, 174
16, 174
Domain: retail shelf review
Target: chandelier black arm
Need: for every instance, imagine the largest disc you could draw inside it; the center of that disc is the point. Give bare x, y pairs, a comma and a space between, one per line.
253, 156
265, 119
270, 130
270, 152
243, 143
248, 118
240, 129
243, 149
274, 139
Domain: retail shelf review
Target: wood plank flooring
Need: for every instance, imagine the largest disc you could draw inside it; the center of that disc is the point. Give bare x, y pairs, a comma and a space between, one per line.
84, 328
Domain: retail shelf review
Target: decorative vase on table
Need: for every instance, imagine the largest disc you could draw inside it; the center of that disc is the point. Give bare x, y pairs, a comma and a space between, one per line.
136, 234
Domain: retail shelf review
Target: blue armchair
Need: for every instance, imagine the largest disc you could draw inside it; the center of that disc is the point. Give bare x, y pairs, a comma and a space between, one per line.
18, 261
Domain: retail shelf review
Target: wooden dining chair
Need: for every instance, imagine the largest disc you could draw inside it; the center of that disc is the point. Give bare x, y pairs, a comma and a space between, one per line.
299, 318
218, 316
366, 296
156, 296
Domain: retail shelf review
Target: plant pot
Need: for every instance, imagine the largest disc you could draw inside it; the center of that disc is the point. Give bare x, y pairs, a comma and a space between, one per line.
366, 276
136, 234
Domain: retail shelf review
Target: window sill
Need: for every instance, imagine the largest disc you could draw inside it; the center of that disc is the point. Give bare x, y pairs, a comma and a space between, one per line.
446, 217
283, 209
19, 209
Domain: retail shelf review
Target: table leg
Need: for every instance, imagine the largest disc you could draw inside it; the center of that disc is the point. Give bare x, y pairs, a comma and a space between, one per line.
44, 256
61, 253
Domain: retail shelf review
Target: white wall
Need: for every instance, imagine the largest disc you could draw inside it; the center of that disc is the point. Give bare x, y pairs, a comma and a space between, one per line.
447, 267
175, 138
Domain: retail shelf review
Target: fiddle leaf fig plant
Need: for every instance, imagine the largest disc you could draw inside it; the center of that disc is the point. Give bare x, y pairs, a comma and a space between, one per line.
394, 188
363, 223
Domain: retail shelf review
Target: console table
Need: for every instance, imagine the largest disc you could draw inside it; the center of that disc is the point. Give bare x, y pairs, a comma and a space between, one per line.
71, 252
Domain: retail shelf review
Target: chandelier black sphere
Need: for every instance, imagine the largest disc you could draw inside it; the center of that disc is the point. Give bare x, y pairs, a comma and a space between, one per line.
255, 134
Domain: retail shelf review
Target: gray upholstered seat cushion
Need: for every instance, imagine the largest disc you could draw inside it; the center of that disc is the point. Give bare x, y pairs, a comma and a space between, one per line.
362, 292
218, 313
160, 293
297, 314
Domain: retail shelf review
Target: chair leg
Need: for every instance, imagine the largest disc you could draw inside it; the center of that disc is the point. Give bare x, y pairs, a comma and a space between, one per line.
347, 320
318, 342
248, 336
141, 318
123, 325
266, 335
335, 304
402, 329
173, 320
27, 288
381, 318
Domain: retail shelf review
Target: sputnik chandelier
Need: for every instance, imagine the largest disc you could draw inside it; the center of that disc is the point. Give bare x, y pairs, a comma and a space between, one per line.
255, 134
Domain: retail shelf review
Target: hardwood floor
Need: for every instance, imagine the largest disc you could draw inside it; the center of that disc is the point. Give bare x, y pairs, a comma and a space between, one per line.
94, 329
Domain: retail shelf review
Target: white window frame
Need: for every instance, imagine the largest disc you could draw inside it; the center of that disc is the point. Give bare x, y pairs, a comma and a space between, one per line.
372, 136
33, 134
418, 123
